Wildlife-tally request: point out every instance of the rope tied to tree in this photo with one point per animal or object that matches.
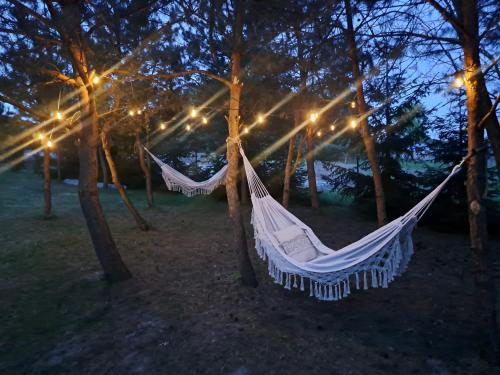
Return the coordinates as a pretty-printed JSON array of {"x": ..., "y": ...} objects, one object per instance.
[{"x": 233, "y": 140}]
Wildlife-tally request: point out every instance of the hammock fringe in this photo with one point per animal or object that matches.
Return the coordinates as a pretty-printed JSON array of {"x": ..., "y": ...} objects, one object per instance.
[{"x": 397, "y": 254}]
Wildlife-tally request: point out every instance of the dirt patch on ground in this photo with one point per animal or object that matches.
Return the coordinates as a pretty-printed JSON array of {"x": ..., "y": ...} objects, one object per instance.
[{"x": 185, "y": 311}]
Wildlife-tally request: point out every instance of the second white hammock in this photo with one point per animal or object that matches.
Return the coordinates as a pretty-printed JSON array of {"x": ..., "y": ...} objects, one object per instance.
[{"x": 176, "y": 181}]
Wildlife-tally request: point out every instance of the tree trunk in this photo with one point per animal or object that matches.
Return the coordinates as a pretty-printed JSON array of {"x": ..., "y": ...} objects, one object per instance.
[
  {"x": 311, "y": 173},
  {"x": 105, "y": 248},
  {"x": 362, "y": 118},
  {"x": 298, "y": 160},
  {"x": 104, "y": 169},
  {"x": 58, "y": 164},
  {"x": 145, "y": 169},
  {"x": 289, "y": 167},
  {"x": 243, "y": 187},
  {"x": 476, "y": 172},
  {"x": 141, "y": 223},
  {"x": 47, "y": 211},
  {"x": 233, "y": 156}
]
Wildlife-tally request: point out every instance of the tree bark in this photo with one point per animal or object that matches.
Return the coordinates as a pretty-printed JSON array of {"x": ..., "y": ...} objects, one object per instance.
[
  {"x": 141, "y": 223},
  {"x": 58, "y": 161},
  {"x": 363, "y": 120},
  {"x": 47, "y": 211},
  {"x": 243, "y": 187},
  {"x": 104, "y": 169},
  {"x": 233, "y": 156},
  {"x": 145, "y": 169},
  {"x": 289, "y": 165},
  {"x": 298, "y": 160},
  {"x": 104, "y": 245},
  {"x": 476, "y": 171},
  {"x": 311, "y": 173}
]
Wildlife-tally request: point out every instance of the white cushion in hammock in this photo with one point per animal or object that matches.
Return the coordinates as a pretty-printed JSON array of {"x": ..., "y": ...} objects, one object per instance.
[{"x": 296, "y": 244}]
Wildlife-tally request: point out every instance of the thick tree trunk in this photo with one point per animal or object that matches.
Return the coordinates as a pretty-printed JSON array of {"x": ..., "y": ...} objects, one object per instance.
[
  {"x": 233, "y": 156},
  {"x": 104, "y": 245},
  {"x": 363, "y": 120},
  {"x": 145, "y": 169},
  {"x": 58, "y": 164},
  {"x": 311, "y": 173},
  {"x": 104, "y": 169},
  {"x": 476, "y": 172},
  {"x": 47, "y": 211},
  {"x": 289, "y": 167},
  {"x": 141, "y": 223},
  {"x": 105, "y": 248}
]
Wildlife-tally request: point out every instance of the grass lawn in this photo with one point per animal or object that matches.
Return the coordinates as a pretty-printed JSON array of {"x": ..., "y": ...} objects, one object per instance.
[{"x": 185, "y": 312}]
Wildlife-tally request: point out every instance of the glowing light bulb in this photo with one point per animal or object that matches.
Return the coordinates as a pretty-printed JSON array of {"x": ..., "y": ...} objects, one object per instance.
[
  {"x": 354, "y": 124},
  {"x": 204, "y": 120},
  {"x": 139, "y": 111},
  {"x": 188, "y": 127},
  {"x": 41, "y": 136},
  {"x": 49, "y": 144},
  {"x": 313, "y": 117},
  {"x": 318, "y": 133},
  {"x": 59, "y": 115},
  {"x": 353, "y": 104},
  {"x": 246, "y": 130},
  {"x": 458, "y": 82},
  {"x": 96, "y": 80},
  {"x": 162, "y": 126},
  {"x": 194, "y": 113},
  {"x": 260, "y": 119},
  {"x": 332, "y": 127},
  {"x": 131, "y": 113}
]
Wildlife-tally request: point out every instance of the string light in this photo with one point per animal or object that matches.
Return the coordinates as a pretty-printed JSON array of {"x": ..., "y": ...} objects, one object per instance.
[
  {"x": 354, "y": 124},
  {"x": 49, "y": 144},
  {"x": 188, "y": 127},
  {"x": 131, "y": 112},
  {"x": 204, "y": 120},
  {"x": 246, "y": 130},
  {"x": 41, "y": 136},
  {"x": 332, "y": 127},
  {"x": 353, "y": 104},
  {"x": 194, "y": 113},
  {"x": 318, "y": 133},
  {"x": 59, "y": 115},
  {"x": 260, "y": 119},
  {"x": 313, "y": 117},
  {"x": 96, "y": 80},
  {"x": 458, "y": 82},
  {"x": 162, "y": 126},
  {"x": 139, "y": 111}
]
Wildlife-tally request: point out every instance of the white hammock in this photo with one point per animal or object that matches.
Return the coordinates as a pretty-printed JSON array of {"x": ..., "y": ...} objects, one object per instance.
[
  {"x": 294, "y": 253},
  {"x": 176, "y": 181}
]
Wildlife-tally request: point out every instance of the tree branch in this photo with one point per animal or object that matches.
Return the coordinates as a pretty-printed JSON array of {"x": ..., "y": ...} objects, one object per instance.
[
  {"x": 418, "y": 35},
  {"x": 23, "y": 108},
  {"x": 489, "y": 114},
  {"x": 170, "y": 76},
  {"x": 448, "y": 17},
  {"x": 60, "y": 76},
  {"x": 31, "y": 12}
]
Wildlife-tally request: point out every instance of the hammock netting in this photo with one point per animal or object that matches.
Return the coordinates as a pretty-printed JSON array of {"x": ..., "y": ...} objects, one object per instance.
[{"x": 295, "y": 255}]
